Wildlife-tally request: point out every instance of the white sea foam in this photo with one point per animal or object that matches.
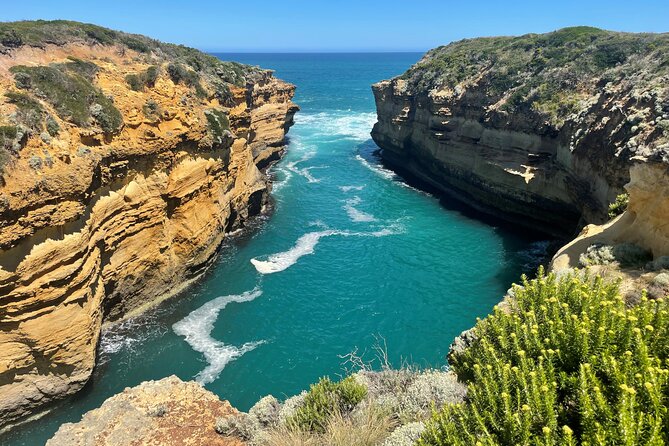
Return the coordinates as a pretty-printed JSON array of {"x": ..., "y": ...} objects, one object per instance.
[
  {"x": 278, "y": 185},
  {"x": 376, "y": 168},
  {"x": 196, "y": 329},
  {"x": 304, "y": 171},
  {"x": 341, "y": 124},
  {"x": 355, "y": 214},
  {"x": 346, "y": 189},
  {"x": 306, "y": 244},
  {"x": 283, "y": 260}
]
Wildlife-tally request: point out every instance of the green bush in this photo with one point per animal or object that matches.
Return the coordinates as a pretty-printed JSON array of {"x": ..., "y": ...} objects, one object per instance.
[
  {"x": 8, "y": 134},
  {"x": 619, "y": 206},
  {"x": 29, "y": 111},
  {"x": 324, "y": 400},
  {"x": 218, "y": 124},
  {"x": 569, "y": 363},
  {"x": 71, "y": 94},
  {"x": 180, "y": 74},
  {"x": 138, "y": 82},
  {"x": 625, "y": 254}
]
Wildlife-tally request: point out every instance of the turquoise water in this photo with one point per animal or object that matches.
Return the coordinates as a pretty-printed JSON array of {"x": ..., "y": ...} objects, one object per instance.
[{"x": 349, "y": 254}]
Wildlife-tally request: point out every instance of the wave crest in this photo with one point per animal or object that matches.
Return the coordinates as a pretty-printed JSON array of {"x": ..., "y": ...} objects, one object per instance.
[{"x": 196, "y": 328}]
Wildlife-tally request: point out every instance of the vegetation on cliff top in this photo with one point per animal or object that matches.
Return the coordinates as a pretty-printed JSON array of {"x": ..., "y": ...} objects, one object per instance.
[
  {"x": 550, "y": 73},
  {"x": 39, "y": 33},
  {"x": 569, "y": 363}
]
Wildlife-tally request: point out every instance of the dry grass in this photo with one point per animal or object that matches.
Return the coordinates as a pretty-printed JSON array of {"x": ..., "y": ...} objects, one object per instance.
[{"x": 367, "y": 426}]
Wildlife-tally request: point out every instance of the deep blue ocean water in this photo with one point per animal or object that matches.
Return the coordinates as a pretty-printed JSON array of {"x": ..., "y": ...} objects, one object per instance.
[{"x": 349, "y": 255}]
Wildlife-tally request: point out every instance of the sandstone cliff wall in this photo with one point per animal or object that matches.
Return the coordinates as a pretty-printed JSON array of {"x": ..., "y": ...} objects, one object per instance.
[
  {"x": 544, "y": 142},
  {"x": 96, "y": 225}
]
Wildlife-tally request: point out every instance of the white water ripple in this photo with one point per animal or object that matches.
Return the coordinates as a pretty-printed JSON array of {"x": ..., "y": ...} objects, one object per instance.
[
  {"x": 343, "y": 124},
  {"x": 355, "y": 214},
  {"x": 306, "y": 244},
  {"x": 196, "y": 328}
]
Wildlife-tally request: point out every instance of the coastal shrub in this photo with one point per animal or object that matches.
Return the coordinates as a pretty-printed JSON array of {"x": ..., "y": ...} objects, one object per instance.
[
  {"x": 569, "y": 362},
  {"x": 368, "y": 426},
  {"x": 8, "y": 134},
  {"x": 625, "y": 254},
  {"x": 180, "y": 74},
  {"x": 619, "y": 205},
  {"x": 406, "y": 435},
  {"x": 52, "y": 126},
  {"x": 5, "y": 159},
  {"x": 240, "y": 425},
  {"x": 148, "y": 78},
  {"x": 325, "y": 399},
  {"x": 29, "y": 110},
  {"x": 660, "y": 263},
  {"x": 72, "y": 95},
  {"x": 218, "y": 124}
]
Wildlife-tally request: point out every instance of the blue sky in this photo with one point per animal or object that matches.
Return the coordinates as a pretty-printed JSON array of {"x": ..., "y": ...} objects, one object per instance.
[{"x": 341, "y": 25}]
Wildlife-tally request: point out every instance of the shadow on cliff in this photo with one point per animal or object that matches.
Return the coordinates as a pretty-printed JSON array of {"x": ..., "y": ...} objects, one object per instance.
[{"x": 523, "y": 246}]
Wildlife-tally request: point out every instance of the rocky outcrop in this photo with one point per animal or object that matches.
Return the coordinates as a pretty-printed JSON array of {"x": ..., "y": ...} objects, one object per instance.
[
  {"x": 103, "y": 212},
  {"x": 643, "y": 224},
  {"x": 164, "y": 412},
  {"x": 539, "y": 130}
]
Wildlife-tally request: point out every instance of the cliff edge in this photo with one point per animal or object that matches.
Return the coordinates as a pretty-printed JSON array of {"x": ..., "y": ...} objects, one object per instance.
[
  {"x": 124, "y": 162},
  {"x": 540, "y": 129}
]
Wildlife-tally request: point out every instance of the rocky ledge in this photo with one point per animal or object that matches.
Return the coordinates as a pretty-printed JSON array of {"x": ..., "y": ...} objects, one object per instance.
[
  {"x": 124, "y": 162},
  {"x": 540, "y": 130},
  {"x": 164, "y": 412}
]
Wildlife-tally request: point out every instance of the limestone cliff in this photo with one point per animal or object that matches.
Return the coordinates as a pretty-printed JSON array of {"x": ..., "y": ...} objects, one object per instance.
[
  {"x": 123, "y": 164},
  {"x": 164, "y": 412},
  {"x": 537, "y": 129},
  {"x": 644, "y": 223}
]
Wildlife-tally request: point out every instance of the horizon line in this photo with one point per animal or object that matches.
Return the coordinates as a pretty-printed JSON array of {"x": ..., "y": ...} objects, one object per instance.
[{"x": 313, "y": 51}]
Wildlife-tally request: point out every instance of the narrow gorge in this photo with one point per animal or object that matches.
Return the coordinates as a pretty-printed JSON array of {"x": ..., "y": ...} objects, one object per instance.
[
  {"x": 473, "y": 252},
  {"x": 125, "y": 164}
]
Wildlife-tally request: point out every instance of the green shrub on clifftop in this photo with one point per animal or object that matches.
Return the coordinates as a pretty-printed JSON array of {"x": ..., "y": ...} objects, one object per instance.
[
  {"x": 619, "y": 206},
  {"x": 72, "y": 94},
  {"x": 326, "y": 399},
  {"x": 569, "y": 363}
]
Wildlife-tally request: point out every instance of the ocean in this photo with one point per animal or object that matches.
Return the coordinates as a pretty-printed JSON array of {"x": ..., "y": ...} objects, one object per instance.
[{"x": 349, "y": 257}]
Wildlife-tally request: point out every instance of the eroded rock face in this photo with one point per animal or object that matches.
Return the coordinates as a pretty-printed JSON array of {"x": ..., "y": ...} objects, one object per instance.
[
  {"x": 106, "y": 223},
  {"x": 507, "y": 126},
  {"x": 644, "y": 223},
  {"x": 164, "y": 412}
]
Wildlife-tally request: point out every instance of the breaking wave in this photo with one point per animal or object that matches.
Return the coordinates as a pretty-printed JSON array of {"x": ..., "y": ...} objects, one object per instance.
[
  {"x": 341, "y": 124},
  {"x": 355, "y": 214},
  {"x": 306, "y": 244},
  {"x": 196, "y": 328}
]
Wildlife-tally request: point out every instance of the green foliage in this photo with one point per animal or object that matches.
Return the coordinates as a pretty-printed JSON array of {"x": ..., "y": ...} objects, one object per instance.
[
  {"x": 569, "y": 363},
  {"x": 545, "y": 72},
  {"x": 8, "y": 134},
  {"x": 29, "y": 110},
  {"x": 619, "y": 206},
  {"x": 325, "y": 399},
  {"x": 138, "y": 82},
  {"x": 83, "y": 68},
  {"x": 71, "y": 94},
  {"x": 218, "y": 123},
  {"x": 180, "y": 74},
  {"x": 151, "y": 109},
  {"x": 625, "y": 254}
]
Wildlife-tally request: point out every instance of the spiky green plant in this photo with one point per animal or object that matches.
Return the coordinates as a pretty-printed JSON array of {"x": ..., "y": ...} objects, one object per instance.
[
  {"x": 568, "y": 363},
  {"x": 325, "y": 399}
]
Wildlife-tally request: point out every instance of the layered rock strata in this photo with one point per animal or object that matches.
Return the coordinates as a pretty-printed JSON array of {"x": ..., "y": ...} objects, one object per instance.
[
  {"x": 101, "y": 218},
  {"x": 539, "y": 130}
]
